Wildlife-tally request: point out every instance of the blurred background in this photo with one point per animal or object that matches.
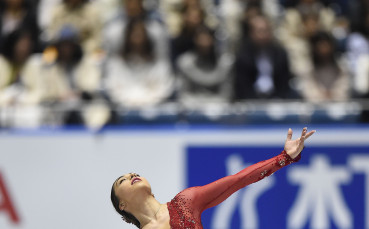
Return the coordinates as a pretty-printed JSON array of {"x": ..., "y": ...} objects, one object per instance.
[
  {"x": 90, "y": 90},
  {"x": 117, "y": 62}
]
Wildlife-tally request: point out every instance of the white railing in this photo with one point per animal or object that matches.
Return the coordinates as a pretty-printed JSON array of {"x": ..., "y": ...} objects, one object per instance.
[{"x": 240, "y": 113}]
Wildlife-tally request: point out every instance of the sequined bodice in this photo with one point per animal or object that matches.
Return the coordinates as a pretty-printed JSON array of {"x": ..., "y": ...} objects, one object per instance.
[
  {"x": 186, "y": 207},
  {"x": 183, "y": 212}
]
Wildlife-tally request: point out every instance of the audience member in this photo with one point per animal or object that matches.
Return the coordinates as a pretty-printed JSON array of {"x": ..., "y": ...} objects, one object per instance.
[
  {"x": 69, "y": 77},
  {"x": 18, "y": 46},
  {"x": 137, "y": 77},
  {"x": 17, "y": 15},
  {"x": 298, "y": 26},
  {"x": 262, "y": 68},
  {"x": 328, "y": 79},
  {"x": 236, "y": 13},
  {"x": 193, "y": 17},
  {"x": 132, "y": 10},
  {"x": 205, "y": 72},
  {"x": 18, "y": 94}
]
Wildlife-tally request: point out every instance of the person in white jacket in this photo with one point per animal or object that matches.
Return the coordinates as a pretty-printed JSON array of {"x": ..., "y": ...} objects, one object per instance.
[{"x": 137, "y": 76}]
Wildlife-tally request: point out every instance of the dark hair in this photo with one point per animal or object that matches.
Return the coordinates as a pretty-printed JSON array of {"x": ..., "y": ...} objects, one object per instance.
[
  {"x": 148, "y": 45},
  {"x": 27, "y": 23},
  {"x": 211, "y": 56},
  {"x": 323, "y": 37},
  {"x": 127, "y": 217},
  {"x": 11, "y": 40},
  {"x": 69, "y": 35}
]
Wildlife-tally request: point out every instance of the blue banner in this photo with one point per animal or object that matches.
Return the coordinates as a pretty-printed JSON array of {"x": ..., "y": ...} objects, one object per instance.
[{"x": 328, "y": 188}]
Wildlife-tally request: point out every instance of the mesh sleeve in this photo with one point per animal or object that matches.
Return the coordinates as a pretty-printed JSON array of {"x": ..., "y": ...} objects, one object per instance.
[{"x": 212, "y": 194}]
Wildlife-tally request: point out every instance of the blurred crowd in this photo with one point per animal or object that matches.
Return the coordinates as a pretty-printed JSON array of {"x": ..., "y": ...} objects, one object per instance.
[{"x": 86, "y": 58}]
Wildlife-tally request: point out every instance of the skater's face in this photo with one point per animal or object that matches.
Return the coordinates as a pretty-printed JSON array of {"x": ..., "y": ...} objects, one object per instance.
[{"x": 131, "y": 186}]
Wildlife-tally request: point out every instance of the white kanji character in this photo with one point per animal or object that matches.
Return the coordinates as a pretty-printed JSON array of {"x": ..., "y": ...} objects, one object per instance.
[
  {"x": 320, "y": 196},
  {"x": 360, "y": 163}
]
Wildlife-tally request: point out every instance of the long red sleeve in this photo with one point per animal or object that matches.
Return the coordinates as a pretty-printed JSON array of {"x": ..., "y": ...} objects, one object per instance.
[{"x": 186, "y": 208}]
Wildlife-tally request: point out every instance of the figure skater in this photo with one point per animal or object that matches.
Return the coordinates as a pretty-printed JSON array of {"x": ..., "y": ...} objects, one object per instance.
[{"x": 132, "y": 198}]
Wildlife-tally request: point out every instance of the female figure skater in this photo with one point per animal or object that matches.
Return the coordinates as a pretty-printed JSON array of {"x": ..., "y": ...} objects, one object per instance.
[{"x": 132, "y": 198}]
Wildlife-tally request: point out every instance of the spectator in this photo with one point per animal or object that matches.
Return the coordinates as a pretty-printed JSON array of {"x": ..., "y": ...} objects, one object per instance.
[
  {"x": 18, "y": 94},
  {"x": 236, "y": 12},
  {"x": 17, "y": 15},
  {"x": 262, "y": 68},
  {"x": 18, "y": 46},
  {"x": 205, "y": 73},
  {"x": 328, "y": 79},
  {"x": 137, "y": 77},
  {"x": 131, "y": 10},
  {"x": 82, "y": 15},
  {"x": 68, "y": 77},
  {"x": 193, "y": 17},
  {"x": 298, "y": 26}
]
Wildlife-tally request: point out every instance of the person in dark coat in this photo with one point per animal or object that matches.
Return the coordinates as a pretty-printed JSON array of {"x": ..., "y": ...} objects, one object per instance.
[
  {"x": 261, "y": 70},
  {"x": 17, "y": 15}
]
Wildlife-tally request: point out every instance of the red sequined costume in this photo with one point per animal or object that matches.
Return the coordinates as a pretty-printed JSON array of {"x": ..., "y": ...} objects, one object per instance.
[{"x": 186, "y": 207}]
